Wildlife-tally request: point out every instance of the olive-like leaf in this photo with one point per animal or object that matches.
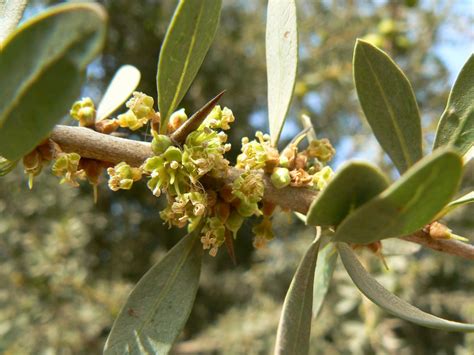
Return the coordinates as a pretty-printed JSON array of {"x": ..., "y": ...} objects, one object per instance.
[
  {"x": 456, "y": 126},
  {"x": 294, "y": 327},
  {"x": 461, "y": 201},
  {"x": 124, "y": 82},
  {"x": 159, "y": 305},
  {"x": 352, "y": 186},
  {"x": 325, "y": 266},
  {"x": 388, "y": 301},
  {"x": 185, "y": 46},
  {"x": 42, "y": 68},
  {"x": 407, "y": 205},
  {"x": 11, "y": 12},
  {"x": 389, "y": 104},
  {"x": 281, "y": 45},
  {"x": 6, "y": 166}
]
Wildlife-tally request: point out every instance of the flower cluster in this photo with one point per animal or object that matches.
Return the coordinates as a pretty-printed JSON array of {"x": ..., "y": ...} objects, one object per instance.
[
  {"x": 177, "y": 170},
  {"x": 140, "y": 111}
]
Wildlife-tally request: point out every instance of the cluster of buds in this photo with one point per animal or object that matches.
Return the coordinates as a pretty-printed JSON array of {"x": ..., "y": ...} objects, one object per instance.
[
  {"x": 176, "y": 170},
  {"x": 306, "y": 168},
  {"x": 255, "y": 153},
  {"x": 167, "y": 172}
]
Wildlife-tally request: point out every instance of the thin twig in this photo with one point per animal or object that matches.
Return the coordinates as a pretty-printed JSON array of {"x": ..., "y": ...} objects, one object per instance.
[{"x": 90, "y": 144}]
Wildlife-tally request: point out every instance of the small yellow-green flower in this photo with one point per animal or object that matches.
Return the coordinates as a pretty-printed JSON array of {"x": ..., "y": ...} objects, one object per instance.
[
  {"x": 263, "y": 233},
  {"x": 321, "y": 178},
  {"x": 67, "y": 167},
  {"x": 213, "y": 235},
  {"x": 321, "y": 150},
  {"x": 254, "y": 153},
  {"x": 122, "y": 176},
  {"x": 83, "y": 111}
]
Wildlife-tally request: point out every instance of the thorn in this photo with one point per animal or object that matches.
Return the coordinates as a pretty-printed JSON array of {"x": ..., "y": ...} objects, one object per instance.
[
  {"x": 179, "y": 136},
  {"x": 229, "y": 243}
]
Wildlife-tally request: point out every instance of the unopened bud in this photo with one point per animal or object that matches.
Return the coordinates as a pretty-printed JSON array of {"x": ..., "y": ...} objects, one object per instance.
[
  {"x": 160, "y": 143},
  {"x": 176, "y": 120},
  {"x": 281, "y": 178},
  {"x": 234, "y": 222}
]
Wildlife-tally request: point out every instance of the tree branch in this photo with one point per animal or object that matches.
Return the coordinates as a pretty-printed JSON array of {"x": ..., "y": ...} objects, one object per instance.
[{"x": 90, "y": 144}]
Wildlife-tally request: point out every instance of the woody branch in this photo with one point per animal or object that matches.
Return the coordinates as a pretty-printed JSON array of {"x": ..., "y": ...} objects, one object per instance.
[{"x": 93, "y": 145}]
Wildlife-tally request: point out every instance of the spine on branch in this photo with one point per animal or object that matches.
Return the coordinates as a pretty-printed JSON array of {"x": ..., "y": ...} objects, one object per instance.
[{"x": 93, "y": 145}]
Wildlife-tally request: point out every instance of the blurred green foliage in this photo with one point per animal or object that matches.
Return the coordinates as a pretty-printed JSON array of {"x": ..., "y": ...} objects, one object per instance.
[{"x": 67, "y": 265}]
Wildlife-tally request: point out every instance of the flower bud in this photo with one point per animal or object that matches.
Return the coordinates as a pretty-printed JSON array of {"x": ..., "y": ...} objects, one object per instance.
[
  {"x": 173, "y": 154},
  {"x": 176, "y": 120},
  {"x": 234, "y": 222},
  {"x": 84, "y": 112},
  {"x": 246, "y": 209},
  {"x": 141, "y": 104},
  {"x": 281, "y": 178},
  {"x": 321, "y": 178},
  {"x": 160, "y": 143}
]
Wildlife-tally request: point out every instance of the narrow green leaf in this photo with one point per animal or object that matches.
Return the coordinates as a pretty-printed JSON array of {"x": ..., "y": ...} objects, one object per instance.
[
  {"x": 124, "y": 82},
  {"x": 389, "y": 104},
  {"x": 463, "y": 200},
  {"x": 6, "y": 166},
  {"x": 159, "y": 305},
  {"x": 11, "y": 12},
  {"x": 186, "y": 43},
  {"x": 352, "y": 186},
  {"x": 282, "y": 59},
  {"x": 388, "y": 301},
  {"x": 456, "y": 126},
  {"x": 407, "y": 205},
  {"x": 37, "y": 90},
  {"x": 325, "y": 266},
  {"x": 294, "y": 327}
]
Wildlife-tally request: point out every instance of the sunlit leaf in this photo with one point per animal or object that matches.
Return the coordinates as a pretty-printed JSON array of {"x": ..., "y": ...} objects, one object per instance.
[
  {"x": 388, "y": 301},
  {"x": 389, "y": 104},
  {"x": 159, "y": 305},
  {"x": 6, "y": 166},
  {"x": 407, "y": 205},
  {"x": 352, "y": 186},
  {"x": 186, "y": 43},
  {"x": 456, "y": 126},
  {"x": 42, "y": 69},
  {"x": 295, "y": 321},
  {"x": 123, "y": 84},
  {"x": 282, "y": 58},
  {"x": 11, "y": 12},
  {"x": 325, "y": 266}
]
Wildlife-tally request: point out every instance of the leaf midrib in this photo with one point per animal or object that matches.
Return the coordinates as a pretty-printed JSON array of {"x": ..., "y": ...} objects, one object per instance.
[
  {"x": 403, "y": 143},
  {"x": 168, "y": 284},
  {"x": 186, "y": 63}
]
